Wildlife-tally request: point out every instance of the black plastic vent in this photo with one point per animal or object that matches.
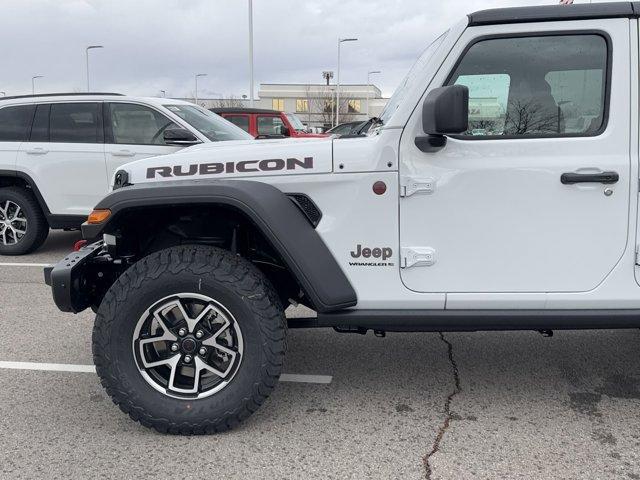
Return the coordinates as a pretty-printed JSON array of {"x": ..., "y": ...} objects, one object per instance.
[{"x": 307, "y": 206}]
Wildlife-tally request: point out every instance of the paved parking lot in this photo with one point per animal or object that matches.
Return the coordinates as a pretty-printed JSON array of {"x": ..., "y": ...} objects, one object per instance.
[{"x": 457, "y": 406}]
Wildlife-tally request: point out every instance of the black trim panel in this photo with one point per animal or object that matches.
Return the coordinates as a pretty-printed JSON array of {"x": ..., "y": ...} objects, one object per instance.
[
  {"x": 552, "y": 13},
  {"x": 277, "y": 217},
  {"x": 472, "y": 320}
]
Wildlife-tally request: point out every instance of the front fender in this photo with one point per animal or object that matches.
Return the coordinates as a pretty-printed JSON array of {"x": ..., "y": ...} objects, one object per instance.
[{"x": 275, "y": 215}]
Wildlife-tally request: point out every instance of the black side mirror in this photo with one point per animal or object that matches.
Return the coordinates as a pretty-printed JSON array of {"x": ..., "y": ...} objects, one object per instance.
[
  {"x": 284, "y": 131},
  {"x": 445, "y": 111},
  {"x": 180, "y": 137}
]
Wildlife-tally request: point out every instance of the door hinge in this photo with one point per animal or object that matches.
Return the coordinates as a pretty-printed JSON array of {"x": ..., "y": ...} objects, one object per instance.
[
  {"x": 417, "y": 257},
  {"x": 411, "y": 185}
]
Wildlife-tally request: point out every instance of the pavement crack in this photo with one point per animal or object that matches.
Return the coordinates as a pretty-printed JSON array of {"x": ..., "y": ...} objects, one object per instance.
[{"x": 447, "y": 410}]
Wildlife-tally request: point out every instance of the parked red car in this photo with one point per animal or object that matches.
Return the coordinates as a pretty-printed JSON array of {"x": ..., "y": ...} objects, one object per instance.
[{"x": 263, "y": 123}]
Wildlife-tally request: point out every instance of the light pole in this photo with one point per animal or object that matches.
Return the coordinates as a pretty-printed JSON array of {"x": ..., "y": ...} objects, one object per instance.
[
  {"x": 33, "y": 83},
  {"x": 369, "y": 73},
  {"x": 90, "y": 47},
  {"x": 198, "y": 75},
  {"x": 340, "y": 41},
  {"x": 251, "y": 98}
]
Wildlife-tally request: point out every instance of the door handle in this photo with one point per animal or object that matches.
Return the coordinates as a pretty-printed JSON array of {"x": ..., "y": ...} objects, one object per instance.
[
  {"x": 37, "y": 151},
  {"x": 604, "y": 177},
  {"x": 123, "y": 153}
]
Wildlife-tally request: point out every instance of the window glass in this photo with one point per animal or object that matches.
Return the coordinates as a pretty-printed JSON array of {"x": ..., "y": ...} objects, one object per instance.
[
  {"x": 547, "y": 85},
  {"x": 277, "y": 104},
  {"x": 241, "y": 121},
  {"x": 302, "y": 105},
  {"x": 353, "y": 106},
  {"x": 138, "y": 125},
  {"x": 15, "y": 123},
  {"x": 212, "y": 126},
  {"x": 270, "y": 125},
  {"x": 74, "y": 122},
  {"x": 295, "y": 122}
]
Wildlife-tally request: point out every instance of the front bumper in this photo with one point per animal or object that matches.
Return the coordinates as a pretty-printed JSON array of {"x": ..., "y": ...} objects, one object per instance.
[{"x": 68, "y": 279}]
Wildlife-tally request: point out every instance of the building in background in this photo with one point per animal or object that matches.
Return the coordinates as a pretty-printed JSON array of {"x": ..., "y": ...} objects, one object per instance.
[{"x": 314, "y": 104}]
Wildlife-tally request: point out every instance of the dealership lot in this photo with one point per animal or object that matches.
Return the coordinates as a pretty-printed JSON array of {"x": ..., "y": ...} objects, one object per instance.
[{"x": 527, "y": 407}]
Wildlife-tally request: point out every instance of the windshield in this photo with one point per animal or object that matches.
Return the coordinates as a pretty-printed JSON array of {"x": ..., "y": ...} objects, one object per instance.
[
  {"x": 410, "y": 79},
  {"x": 295, "y": 122},
  {"x": 212, "y": 126}
]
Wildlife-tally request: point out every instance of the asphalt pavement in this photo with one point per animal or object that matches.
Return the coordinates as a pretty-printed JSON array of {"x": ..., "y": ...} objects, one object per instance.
[{"x": 503, "y": 405}]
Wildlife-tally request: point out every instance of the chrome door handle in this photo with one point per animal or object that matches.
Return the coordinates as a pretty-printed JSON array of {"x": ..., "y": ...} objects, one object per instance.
[
  {"x": 37, "y": 151},
  {"x": 123, "y": 153}
]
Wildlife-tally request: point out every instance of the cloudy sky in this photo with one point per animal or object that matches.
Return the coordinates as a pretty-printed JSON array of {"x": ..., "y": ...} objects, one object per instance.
[{"x": 153, "y": 45}]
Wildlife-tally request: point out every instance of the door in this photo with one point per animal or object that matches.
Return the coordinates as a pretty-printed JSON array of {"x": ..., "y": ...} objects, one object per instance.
[
  {"x": 65, "y": 156},
  {"x": 534, "y": 197},
  {"x": 133, "y": 132}
]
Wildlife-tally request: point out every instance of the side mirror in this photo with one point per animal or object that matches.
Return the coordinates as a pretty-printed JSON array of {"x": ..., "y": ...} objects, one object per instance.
[
  {"x": 445, "y": 111},
  {"x": 179, "y": 137},
  {"x": 284, "y": 131}
]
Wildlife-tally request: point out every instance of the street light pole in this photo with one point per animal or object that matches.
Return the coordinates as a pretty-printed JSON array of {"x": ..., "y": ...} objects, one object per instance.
[
  {"x": 340, "y": 41},
  {"x": 90, "y": 47},
  {"x": 369, "y": 88},
  {"x": 251, "y": 98},
  {"x": 33, "y": 83},
  {"x": 198, "y": 75}
]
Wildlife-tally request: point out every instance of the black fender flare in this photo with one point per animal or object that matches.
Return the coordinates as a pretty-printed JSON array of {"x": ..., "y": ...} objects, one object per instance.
[{"x": 275, "y": 215}]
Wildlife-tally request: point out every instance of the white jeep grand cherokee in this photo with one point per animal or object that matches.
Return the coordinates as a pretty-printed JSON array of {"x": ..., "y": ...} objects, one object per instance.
[{"x": 58, "y": 152}]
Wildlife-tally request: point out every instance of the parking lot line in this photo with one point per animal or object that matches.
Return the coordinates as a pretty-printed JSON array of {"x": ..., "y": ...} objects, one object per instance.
[
  {"x": 11, "y": 264},
  {"x": 66, "y": 367}
]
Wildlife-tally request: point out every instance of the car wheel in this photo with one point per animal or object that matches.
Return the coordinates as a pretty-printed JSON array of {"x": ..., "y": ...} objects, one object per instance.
[
  {"x": 190, "y": 340},
  {"x": 23, "y": 227}
]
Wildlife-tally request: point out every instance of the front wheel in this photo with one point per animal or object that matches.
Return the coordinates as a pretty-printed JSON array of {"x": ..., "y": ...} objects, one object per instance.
[{"x": 190, "y": 340}]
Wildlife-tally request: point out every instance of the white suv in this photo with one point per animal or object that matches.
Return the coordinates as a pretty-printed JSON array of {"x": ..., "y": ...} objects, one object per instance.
[{"x": 58, "y": 154}]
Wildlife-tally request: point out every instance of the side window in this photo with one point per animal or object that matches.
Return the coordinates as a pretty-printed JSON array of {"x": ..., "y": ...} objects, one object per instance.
[
  {"x": 138, "y": 125},
  {"x": 15, "y": 123},
  {"x": 241, "y": 121},
  {"x": 75, "y": 123},
  {"x": 547, "y": 85},
  {"x": 270, "y": 125}
]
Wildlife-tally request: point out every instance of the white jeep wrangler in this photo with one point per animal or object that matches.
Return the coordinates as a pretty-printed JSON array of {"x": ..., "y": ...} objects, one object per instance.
[
  {"x": 59, "y": 151},
  {"x": 499, "y": 190}
]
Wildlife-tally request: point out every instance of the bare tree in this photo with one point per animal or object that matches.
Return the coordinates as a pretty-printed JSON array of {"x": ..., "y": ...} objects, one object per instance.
[
  {"x": 524, "y": 118},
  {"x": 231, "y": 102}
]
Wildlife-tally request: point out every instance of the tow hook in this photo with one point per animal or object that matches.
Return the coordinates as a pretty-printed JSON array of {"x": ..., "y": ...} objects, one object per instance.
[{"x": 546, "y": 333}]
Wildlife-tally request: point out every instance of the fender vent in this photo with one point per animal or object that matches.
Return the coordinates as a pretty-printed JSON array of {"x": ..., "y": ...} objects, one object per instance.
[{"x": 307, "y": 206}]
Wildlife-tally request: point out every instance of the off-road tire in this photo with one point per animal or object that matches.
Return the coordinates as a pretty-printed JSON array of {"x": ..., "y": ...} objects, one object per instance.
[
  {"x": 37, "y": 226},
  {"x": 230, "y": 280}
]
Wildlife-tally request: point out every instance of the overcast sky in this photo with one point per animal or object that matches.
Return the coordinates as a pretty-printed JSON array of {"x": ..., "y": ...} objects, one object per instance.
[{"x": 153, "y": 45}]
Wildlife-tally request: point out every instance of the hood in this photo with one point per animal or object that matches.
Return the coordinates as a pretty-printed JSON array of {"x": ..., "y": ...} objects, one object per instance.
[{"x": 236, "y": 159}]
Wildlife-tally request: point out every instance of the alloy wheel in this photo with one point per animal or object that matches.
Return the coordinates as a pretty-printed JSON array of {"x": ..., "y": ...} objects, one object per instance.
[
  {"x": 13, "y": 223},
  {"x": 187, "y": 346}
]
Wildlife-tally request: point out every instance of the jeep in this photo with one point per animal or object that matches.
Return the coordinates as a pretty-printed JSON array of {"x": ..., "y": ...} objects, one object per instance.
[
  {"x": 497, "y": 191},
  {"x": 264, "y": 123},
  {"x": 59, "y": 151}
]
